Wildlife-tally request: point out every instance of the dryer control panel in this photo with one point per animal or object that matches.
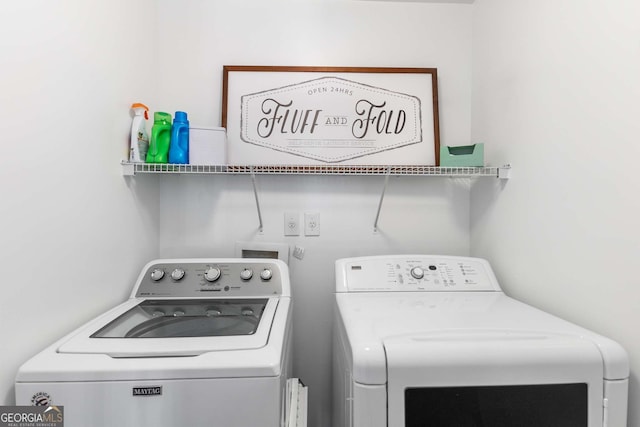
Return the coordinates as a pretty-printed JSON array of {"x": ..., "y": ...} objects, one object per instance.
[
  {"x": 414, "y": 273},
  {"x": 210, "y": 278}
]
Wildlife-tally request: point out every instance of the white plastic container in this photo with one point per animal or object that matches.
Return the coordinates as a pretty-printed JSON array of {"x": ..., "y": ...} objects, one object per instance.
[
  {"x": 139, "y": 144},
  {"x": 207, "y": 146}
]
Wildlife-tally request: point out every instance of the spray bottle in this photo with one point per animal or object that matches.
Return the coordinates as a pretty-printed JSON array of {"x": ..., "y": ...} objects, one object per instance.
[
  {"x": 139, "y": 144},
  {"x": 179, "y": 150},
  {"x": 160, "y": 138}
]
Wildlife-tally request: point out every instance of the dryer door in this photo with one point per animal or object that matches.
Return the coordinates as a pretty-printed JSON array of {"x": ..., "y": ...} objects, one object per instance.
[{"x": 494, "y": 378}]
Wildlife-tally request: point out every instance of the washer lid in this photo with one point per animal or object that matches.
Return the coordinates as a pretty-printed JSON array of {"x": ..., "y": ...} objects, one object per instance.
[
  {"x": 147, "y": 328},
  {"x": 186, "y": 318}
]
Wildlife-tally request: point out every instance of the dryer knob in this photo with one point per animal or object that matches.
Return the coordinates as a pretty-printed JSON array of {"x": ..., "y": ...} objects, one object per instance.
[
  {"x": 246, "y": 274},
  {"x": 177, "y": 274},
  {"x": 417, "y": 273},
  {"x": 266, "y": 274},
  {"x": 212, "y": 274},
  {"x": 157, "y": 274}
]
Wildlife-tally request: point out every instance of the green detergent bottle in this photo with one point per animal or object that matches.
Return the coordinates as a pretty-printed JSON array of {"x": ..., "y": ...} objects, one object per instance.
[{"x": 160, "y": 138}]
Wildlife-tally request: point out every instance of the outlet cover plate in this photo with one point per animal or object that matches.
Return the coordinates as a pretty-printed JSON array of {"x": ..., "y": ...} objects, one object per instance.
[
  {"x": 312, "y": 223},
  {"x": 291, "y": 224}
]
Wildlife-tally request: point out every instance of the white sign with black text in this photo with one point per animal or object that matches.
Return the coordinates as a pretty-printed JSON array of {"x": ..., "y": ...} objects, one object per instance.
[{"x": 301, "y": 117}]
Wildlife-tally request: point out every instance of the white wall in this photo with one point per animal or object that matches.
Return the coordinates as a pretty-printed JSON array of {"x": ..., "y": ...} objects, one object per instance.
[
  {"x": 205, "y": 216},
  {"x": 74, "y": 232},
  {"x": 549, "y": 78},
  {"x": 555, "y": 92}
]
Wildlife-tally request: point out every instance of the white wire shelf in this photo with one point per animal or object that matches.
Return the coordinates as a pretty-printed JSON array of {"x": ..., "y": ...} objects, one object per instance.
[
  {"x": 399, "y": 170},
  {"x": 502, "y": 172}
]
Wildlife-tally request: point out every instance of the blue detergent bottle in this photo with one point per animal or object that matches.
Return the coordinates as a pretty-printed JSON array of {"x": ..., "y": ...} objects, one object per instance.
[{"x": 179, "y": 148}]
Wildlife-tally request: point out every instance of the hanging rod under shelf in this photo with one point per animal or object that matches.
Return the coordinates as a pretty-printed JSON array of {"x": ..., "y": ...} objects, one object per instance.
[{"x": 502, "y": 172}]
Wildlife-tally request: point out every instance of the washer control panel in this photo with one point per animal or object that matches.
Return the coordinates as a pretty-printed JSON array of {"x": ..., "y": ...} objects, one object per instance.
[
  {"x": 414, "y": 273},
  {"x": 227, "y": 277}
]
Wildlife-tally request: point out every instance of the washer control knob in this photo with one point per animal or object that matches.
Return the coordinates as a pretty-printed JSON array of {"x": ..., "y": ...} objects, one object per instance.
[
  {"x": 177, "y": 274},
  {"x": 246, "y": 274},
  {"x": 212, "y": 274},
  {"x": 266, "y": 274},
  {"x": 417, "y": 273},
  {"x": 157, "y": 274}
]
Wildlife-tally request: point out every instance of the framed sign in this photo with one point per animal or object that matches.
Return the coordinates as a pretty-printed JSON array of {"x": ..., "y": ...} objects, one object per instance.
[{"x": 331, "y": 115}]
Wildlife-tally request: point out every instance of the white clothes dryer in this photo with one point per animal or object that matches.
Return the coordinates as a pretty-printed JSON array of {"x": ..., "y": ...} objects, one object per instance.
[
  {"x": 432, "y": 340},
  {"x": 200, "y": 342}
]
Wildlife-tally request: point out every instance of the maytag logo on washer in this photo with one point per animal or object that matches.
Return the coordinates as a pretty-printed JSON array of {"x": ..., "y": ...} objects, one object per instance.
[{"x": 147, "y": 391}]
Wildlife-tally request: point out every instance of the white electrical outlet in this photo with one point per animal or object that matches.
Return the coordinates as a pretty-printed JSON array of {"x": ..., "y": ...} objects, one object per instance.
[
  {"x": 291, "y": 224},
  {"x": 312, "y": 223}
]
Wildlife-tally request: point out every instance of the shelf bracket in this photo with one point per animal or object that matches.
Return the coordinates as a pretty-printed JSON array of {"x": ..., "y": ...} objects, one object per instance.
[
  {"x": 504, "y": 172},
  {"x": 128, "y": 169},
  {"x": 384, "y": 189},
  {"x": 255, "y": 193}
]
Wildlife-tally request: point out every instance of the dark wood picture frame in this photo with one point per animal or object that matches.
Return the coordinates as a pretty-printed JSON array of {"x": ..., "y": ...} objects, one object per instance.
[{"x": 432, "y": 72}]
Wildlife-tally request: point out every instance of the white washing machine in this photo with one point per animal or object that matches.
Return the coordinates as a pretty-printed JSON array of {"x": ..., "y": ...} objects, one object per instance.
[
  {"x": 433, "y": 340},
  {"x": 200, "y": 342}
]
